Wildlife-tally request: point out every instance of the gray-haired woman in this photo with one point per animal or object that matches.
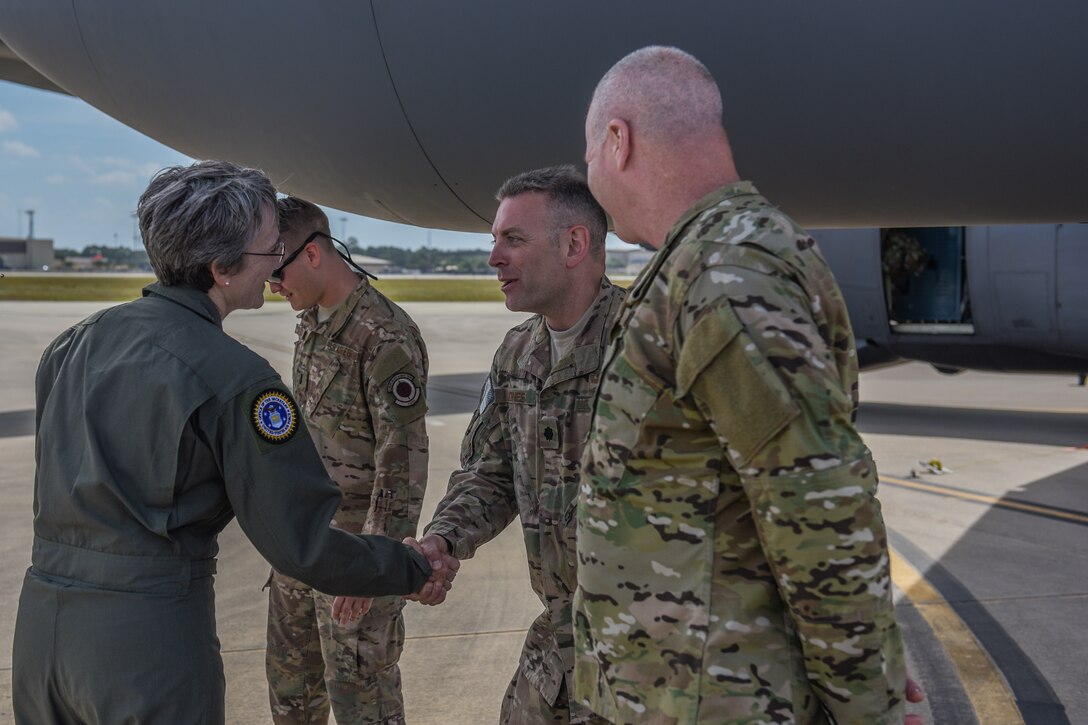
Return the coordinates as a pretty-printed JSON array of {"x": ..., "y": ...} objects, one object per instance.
[{"x": 155, "y": 429}]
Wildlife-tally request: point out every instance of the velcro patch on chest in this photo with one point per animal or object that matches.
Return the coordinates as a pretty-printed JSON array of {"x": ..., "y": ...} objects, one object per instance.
[
  {"x": 404, "y": 389},
  {"x": 275, "y": 416}
]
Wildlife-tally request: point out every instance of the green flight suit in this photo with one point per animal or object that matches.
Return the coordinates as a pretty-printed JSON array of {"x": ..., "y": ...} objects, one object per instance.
[{"x": 154, "y": 429}]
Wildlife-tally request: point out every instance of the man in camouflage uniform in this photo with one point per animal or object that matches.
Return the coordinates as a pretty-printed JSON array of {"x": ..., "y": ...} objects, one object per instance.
[
  {"x": 521, "y": 453},
  {"x": 360, "y": 371},
  {"x": 902, "y": 256},
  {"x": 732, "y": 558}
]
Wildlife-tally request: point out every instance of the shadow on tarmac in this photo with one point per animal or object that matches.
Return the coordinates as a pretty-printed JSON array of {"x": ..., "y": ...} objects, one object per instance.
[
  {"x": 1012, "y": 426},
  {"x": 446, "y": 395},
  {"x": 17, "y": 423},
  {"x": 1000, "y": 578},
  {"x": 450, "y": 394}
]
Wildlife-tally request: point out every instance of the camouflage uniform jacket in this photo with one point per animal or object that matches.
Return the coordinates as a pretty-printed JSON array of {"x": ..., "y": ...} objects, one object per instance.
[
  {"x": 360, "y": 378},
  {"x": 732, "y": 557},
  {"x": 521, "y": 455}
]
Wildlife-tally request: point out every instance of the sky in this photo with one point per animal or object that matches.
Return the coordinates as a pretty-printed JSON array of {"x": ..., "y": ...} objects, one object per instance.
[{"x": 81, "y": 172}]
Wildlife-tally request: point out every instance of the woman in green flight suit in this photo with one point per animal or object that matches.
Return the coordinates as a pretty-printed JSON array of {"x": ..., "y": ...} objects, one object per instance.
[{"x": 154, "y": 429}]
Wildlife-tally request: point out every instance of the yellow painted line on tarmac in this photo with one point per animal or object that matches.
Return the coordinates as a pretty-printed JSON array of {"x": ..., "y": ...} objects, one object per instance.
[
  {"x": 982, "y": 498},
  {"x": 989, "y": 693}
]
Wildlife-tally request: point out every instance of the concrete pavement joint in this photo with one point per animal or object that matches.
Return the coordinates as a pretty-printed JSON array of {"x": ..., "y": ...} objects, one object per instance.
[{"x": 465, "y": 634}]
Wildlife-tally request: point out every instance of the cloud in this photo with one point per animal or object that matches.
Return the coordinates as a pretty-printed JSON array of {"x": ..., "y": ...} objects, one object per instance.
[
  {"x": 138, "y": 175},
  {"x": 114, "y": 177},
  {"x": 56, "y": 179},
  {"x": 7, "y": 121},
  {"x": 80, "y": 163},
  {"x": 18, "y": 148},
  {"x": 114, "y": 170}
]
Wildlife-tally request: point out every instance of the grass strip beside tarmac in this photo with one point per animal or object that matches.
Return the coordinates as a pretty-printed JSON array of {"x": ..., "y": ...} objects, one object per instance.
[
  {"x": 122, "y": 288},
  {"x": 71, "y": 288},
  {"x": 117, "y": 288}
]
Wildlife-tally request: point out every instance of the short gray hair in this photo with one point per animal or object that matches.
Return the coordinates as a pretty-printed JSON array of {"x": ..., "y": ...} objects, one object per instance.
[
  {"x": 193, "y": 216},
  {"x": 571, "y": 201},
  {"x": 665, "y": 93}
]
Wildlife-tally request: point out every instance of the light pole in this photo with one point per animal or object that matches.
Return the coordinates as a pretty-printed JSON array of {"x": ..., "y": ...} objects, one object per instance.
[
  {"x": 30, "y": 224},
  {"x": 343, "y": 227},
  {"x": 134, "y": 231}
]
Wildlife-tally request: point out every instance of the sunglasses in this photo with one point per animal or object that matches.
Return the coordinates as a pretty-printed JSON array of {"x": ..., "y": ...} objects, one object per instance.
[
  {"x": 277, "y": 273},
  {"x": 277, "y": 251}
]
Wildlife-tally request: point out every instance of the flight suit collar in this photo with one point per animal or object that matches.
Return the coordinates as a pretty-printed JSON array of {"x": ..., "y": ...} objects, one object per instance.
[
  {"x": 584, "y": 357},
  {"x": 188, "y": 297},
  {"x": 340, "y": 316}
]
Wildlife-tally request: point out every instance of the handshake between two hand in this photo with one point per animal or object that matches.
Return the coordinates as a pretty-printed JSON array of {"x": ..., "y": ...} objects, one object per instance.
[
  {"x": 348, "y": 610},
  {"x": 443, "y": 569}
]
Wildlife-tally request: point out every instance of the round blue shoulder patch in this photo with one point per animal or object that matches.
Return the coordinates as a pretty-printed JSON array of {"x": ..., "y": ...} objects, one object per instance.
[{"x": 275, "y": 416}]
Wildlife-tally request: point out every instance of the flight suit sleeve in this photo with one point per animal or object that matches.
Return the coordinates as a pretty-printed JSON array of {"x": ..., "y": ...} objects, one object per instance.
[
  {"x": 284, "y": 500},
  {"x": 752, "y": 358},
  {"x": 394, "y": 380},
  {"x": 480, "y": 500}
]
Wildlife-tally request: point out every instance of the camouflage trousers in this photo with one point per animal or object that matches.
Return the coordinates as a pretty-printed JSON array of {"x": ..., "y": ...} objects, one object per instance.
[
  {"x": 313, "y": 663},
  {"x": 524, "y": 705}
]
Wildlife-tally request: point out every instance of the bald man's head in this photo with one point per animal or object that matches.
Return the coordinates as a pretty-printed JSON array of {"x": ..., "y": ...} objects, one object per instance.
[
  {"x": 655, "y": 143},
  {"x": 664, "y": 93}
]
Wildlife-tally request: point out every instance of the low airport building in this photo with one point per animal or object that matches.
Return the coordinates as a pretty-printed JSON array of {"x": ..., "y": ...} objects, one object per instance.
[{"x": 16, "y": 253}]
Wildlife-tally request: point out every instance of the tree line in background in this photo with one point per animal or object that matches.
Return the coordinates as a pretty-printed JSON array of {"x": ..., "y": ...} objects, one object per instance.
[
  {"x": 424, "y": 260},
  {"x": 428, "y": 260}
]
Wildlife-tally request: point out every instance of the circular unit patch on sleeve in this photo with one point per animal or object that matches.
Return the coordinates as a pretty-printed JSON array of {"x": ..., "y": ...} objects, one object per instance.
[
  {"x": 275, "y": 416},
  {"x": 404, "y": 390}
]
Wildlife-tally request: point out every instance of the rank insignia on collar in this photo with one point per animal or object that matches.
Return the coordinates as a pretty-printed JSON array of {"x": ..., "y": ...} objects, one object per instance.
[
  {"x": 275, "y": 416},
  {"x": 404, "y": 390}
]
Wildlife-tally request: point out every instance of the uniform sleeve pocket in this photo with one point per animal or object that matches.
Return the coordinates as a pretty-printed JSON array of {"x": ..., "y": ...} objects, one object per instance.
[
  {"x": 734, "y": 385},
  {"x": 706, "y": 339},
  {"x": 480, "y": 429}
]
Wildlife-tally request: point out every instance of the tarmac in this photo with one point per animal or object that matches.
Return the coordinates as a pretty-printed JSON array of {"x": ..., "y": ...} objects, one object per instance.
[{"x": 990, "y": 556}]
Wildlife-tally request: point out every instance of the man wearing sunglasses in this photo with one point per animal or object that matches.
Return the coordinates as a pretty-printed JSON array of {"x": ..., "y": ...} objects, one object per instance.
[{"x": 360, "y": 373}]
